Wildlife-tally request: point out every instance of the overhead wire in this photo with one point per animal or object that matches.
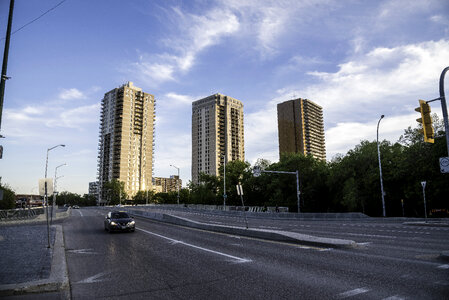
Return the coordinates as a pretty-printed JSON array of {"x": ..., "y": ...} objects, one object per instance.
[{"x": 34, "y": 20}]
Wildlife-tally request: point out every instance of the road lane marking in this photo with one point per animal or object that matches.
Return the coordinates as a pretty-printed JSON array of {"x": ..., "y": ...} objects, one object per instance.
[
  {"x": 94, "y": 278},
  {"x": 443, "y": 267},
  {"x": 395, "y": 297},
  {"x": 237, "y": 259},
  {"x": 353, "y": 293},
  {"x": 371, "y": 235},
  {"x": 83, "y": 251},
  {"x": 81, "y": 214}
]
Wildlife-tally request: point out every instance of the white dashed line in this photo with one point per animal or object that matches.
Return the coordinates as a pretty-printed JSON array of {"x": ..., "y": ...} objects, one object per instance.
[
  {"x": 352, "y": 293},
  {"x": 443, "y": 267}
]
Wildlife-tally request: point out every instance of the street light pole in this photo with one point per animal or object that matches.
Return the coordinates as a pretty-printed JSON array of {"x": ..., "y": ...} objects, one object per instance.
[
  {"x": 54, "y": 191},
  {"x": 177, "y": 182},
  {"x": 46, "y": 196},
  {"x": 146, "y": 201},
  {"x": 380, "y": 168},
  {"x": 224, "y": 182}
]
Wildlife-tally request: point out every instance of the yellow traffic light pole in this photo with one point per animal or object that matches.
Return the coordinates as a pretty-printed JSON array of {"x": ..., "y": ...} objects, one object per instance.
[
  {"x": 444, "y": 107},
  {"x": 426, "y": 119}
]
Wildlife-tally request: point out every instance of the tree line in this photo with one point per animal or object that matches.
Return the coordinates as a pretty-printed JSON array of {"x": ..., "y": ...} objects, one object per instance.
[{"x": 347, "y": 183}]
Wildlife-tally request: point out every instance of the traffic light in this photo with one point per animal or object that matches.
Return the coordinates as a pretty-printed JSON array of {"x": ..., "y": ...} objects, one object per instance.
[{"x": 425, "y": 121}]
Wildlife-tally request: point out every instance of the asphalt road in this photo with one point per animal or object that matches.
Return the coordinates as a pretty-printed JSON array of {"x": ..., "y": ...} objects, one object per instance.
[{"x": 162, "y": 261}]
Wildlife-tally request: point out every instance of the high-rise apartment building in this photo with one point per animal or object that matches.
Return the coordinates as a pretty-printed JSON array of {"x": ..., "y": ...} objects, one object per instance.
[
  {"x": 217, "y": 132},
  {"x": 300, "y": 128},
  {"x": 126, "y": 139}
]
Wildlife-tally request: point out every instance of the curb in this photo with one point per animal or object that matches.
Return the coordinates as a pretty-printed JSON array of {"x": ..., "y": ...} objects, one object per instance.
[
  {"x": 275, "y": 235},
  {"x": 428, "y": 224},
  {"x": 445, "y": 255},
  {"x": 58, "y": 279}
]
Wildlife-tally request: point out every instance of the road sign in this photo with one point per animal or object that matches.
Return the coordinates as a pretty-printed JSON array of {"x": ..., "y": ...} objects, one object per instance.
[
  {"x": 257, "y": 171},
  {"x": 42, "y": 182},
  {"x": 239, "y": 190},
  {"x": 444, "y": 164}
]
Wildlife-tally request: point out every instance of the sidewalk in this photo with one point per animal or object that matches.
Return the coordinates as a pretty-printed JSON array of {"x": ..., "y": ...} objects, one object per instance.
[{"x": 28, "y": 265}]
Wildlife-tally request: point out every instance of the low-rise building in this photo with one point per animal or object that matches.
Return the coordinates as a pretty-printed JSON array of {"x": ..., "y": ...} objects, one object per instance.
[{"x": 165, "y": 185}]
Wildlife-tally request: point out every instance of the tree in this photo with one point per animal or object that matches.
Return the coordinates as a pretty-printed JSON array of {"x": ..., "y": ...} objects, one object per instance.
[
  {"x": 141, "y": 197},
  {"x": 115, "y": 190},
  {"x": 237, "y": 171},
  {"x": 9, "y": 197}
]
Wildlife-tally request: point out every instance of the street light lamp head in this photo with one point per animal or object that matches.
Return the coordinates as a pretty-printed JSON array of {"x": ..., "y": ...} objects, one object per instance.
[{"x": 382, "y": 116}]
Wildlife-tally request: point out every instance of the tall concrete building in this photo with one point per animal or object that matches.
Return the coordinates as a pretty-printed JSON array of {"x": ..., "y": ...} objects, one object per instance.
[
  {"x": 300, "y": 128},
  {"x": 217, "y": 132},
  {"x": 126, "y": 139}
]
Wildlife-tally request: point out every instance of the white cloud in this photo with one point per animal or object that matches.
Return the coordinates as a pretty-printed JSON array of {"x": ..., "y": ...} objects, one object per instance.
[
  {"x": 179, "y": 99},
  {"x": 71, "y": 94},
  {"x": 383, "y": 81},
  {"x": 197, "y": 32},
  {"x": 384, "y": 77}
]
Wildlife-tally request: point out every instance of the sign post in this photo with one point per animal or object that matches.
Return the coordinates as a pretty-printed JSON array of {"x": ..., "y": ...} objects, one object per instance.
[
  {"x": 257, "y": 171},
  {"x": 423, "y": 183},
  {"x": 240, "y": 193}
]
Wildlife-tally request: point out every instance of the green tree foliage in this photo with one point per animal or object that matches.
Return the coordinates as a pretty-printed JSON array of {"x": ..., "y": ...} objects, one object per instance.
[
  {"x": 115, "y": 191},
  {"x": 348, "y": 183},
  {"x": 74, "y": 199},
  {"x": 141, "y": 197},
  {"x": 9, "y": 197}
]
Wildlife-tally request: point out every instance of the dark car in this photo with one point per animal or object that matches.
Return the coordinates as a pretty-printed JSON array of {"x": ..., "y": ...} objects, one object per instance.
[{"x": 119, "y": 221}]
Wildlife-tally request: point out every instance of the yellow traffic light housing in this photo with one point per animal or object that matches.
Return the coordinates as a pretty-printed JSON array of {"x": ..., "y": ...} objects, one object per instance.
[{"x": 425, "y": 121}]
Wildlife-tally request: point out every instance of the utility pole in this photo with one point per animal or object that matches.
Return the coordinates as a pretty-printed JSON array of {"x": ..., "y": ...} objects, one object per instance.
[
  {"x": 380, "y": 170},
  {"x": 5, "y": 60}
]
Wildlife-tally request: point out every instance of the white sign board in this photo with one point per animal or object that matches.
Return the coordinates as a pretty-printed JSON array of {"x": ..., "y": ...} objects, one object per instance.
[
  {"x": 239, "y": 190},
  {"x": 444, "y": 164},
  {"x": 42, "y": 182}
]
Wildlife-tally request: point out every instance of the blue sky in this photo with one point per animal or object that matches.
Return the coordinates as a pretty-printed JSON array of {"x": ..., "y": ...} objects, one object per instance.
[{"x": 357, "y": 59}]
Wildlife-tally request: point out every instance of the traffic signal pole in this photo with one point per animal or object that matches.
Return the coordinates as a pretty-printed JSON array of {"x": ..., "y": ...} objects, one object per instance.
[{"x": 444, "y": 107}]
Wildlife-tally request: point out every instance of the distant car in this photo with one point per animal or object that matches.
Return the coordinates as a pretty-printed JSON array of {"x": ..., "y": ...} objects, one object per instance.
[
  {"x": 119, "y": 221},
  {"x": 76, "y": 207}
]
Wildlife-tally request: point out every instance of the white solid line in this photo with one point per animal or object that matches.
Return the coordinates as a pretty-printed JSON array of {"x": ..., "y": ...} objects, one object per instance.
[
  {"x": 80, "y": 213},
  {"x": 238, "y": 259},
  {"x": 443, "y": 267},
  {"x": 353, "y": 292}
]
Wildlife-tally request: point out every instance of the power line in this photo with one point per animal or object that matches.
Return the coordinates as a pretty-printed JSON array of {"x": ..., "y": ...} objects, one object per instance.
[{"x": 34, "y": 20}]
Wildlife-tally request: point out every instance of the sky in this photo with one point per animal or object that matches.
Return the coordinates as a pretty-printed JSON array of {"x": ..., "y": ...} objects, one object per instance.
[{"x": 356, "y": 59}]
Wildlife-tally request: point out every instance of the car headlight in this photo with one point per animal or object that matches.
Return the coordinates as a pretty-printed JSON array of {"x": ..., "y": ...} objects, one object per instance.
[
  {"x": 113, "y": 223},
  {"x": 131, "y": 223}
]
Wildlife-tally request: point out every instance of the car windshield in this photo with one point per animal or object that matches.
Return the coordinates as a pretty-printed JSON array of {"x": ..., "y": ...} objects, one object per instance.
[{"x": 120, "y": 215}]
